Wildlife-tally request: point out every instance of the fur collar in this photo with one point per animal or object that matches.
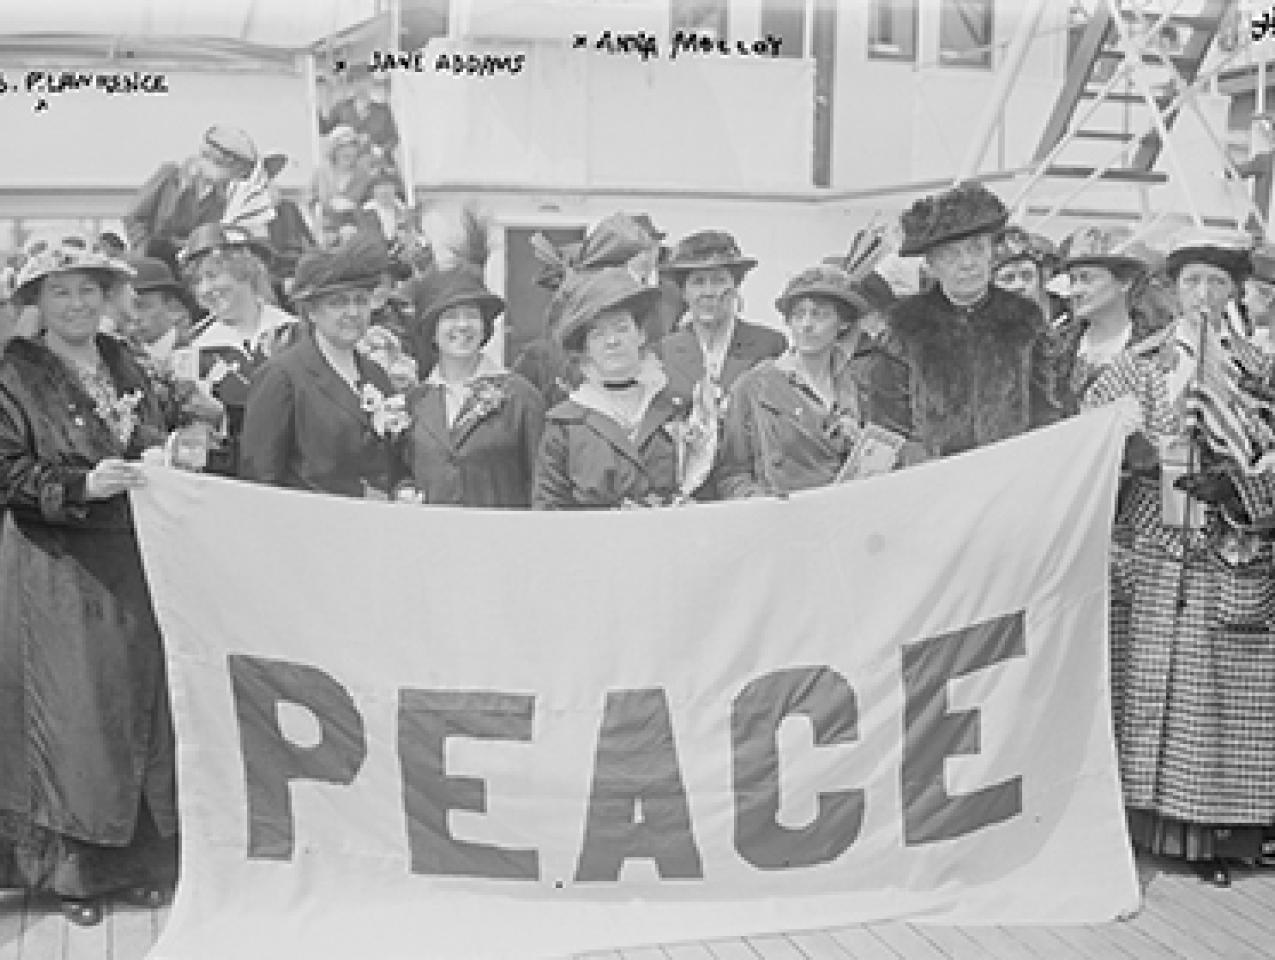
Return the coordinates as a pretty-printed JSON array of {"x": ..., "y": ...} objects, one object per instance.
[{"x": 932, "y": 316}]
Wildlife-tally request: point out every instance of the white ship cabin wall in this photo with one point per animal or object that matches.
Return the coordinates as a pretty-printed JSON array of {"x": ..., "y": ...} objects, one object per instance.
[{"x": 718, "y": 140}]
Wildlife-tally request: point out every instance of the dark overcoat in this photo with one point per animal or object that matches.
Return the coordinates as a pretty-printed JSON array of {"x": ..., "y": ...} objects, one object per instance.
[
  {"x": 85, "y": 732},
  {"x": 305, "y": 428},
  {"x": 476, "y": 462},
  {"x": 683, "y": 359}
]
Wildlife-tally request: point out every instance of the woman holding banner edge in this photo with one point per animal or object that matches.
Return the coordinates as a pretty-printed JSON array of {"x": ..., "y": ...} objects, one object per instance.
[
  {"x": 87, "y": 767},
  {"x": 1195, "y": 732}
]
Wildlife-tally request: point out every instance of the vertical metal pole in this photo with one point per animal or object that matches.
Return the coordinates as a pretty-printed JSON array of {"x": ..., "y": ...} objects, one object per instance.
[{"x": 1006, "y": 76}]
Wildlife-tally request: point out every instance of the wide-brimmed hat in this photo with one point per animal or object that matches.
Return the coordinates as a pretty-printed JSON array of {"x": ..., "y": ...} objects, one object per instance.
[
  {"x": 1111, "y": 247},
  {"x": 707, "y": 250},
  {"x": 63, "y": 255},
  {"x": 1263, "y": 261},
  {"x": 962, "y": 211},
  {"x": 439, "y": 289},
  {"x": 359, "y": 263},
  {"x": 1228, "y": 250},
  {"x": 151, "y": 273},
  {"x": 229, "y": 147},
  {"x": 209, "y": 237},
  {"x": 584, "y": 295},
  {"x": 826, "y": 281},
  {"x": 1014, "y": 243}
]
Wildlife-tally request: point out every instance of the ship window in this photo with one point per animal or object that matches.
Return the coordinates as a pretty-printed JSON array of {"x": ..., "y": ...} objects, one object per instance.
[
  {"x": 892, "y": 30},
  {"x": 965, "y": 33}
]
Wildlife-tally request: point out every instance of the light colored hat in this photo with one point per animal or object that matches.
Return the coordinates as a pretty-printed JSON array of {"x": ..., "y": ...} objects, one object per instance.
[
  {"x": 339, "y": 137},
  {"x": 230, "y": 147},
  {"x": 63, "y": 255},
  {"x": 1111, "y": 247},
  {"x": 1228, "y": 250}
]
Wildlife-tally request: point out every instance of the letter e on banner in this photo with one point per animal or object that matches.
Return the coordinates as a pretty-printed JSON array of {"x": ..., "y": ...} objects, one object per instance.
[
  {"x": 826, "y": 698},
  {"x": 271, "y": 761},
  {"x": 637, "y": 763},
  {"x": 932, "y": 733},
  {"x": 426, "y": 718}
]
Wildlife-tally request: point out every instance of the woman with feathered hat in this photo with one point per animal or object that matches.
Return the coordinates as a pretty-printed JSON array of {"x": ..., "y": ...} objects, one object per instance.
[
  {"x": 476, "y": 426},
  {"x": 796, "y": 421},
  {"x": 1196, "y": 738},
  {"x": 976, "y": 365},
  {"x": 621, "y": 438},
  {"x": 87, "y": 801},
  {"x": 306, "y": 426},
  {"x": 1023, "y": 263}
]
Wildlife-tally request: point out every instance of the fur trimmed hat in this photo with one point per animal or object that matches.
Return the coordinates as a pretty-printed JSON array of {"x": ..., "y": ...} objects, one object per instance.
[
  {"x": 1228, "y": 250},
  {"x": 962, "y": 211},
  {"x": 826, "y": 281}
]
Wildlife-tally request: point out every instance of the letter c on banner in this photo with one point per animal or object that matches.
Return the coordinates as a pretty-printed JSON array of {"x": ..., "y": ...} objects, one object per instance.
[
  {"x": 932, "y": 733},
  {"x": 827, "y": 699},
  {"x": 271, "y": 761}
]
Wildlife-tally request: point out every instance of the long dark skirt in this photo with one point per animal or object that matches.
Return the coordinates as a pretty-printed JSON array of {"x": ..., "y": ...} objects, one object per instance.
[{"x": 87, "y": 759}]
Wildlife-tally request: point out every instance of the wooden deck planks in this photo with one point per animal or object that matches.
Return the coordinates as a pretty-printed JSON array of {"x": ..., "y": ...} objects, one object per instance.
[
  {"x": 777, "y": 947},
  {"x": 862, "y": 943},
  {"x": 818, "y": 946}
]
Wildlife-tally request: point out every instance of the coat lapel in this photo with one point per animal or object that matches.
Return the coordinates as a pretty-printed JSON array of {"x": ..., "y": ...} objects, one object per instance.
[
  {"x": 610, "y": 431},
  {"x": 787, "y": 402},
  {"x": 431, "y": 414},
  {"x": 741, "y": 354},
  {"x": 329, "y": 383},
  {"x": 658, "y": 413}
]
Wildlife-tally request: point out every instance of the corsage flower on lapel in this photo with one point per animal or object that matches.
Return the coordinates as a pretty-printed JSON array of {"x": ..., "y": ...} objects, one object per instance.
[
  {"x": 695, "y": 438},
  {"x": 486, "y": 397},
  {"x": 120, "y": 414},
  {"x": 387, "y": 415}
]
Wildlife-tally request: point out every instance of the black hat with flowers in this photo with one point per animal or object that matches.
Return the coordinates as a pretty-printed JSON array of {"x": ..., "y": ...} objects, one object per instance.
[
  {"x": 962, "y": 211},
  {"x": 359, "y": 263},
  {"x": 584, "y": 296},
  {"x": 829, "y": 282},
  {"x": 439, "y": 289},
  {"x": 707, "y": 250}
]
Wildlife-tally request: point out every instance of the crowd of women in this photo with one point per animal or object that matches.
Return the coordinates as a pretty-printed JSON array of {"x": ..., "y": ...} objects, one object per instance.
[{"x": 648, "y": 390}]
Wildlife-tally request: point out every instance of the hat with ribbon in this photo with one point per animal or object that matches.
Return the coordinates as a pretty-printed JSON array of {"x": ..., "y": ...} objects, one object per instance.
[
  {"x": 64, "y": 255},
  {"x": 707, "y": 250},
  {"x": 1229, "y": 250},
  {"x": 437, "y": 290},
  {"x": 585, "y": 295},
  {"x": 1014, "y": 243},
  {"x": 1110, "y": 247},
  {"x": 829, "y": 282},
  {"x": 614, "y": 242},
  {"x": 962, "y": 211},
  {"x": 209, "y": 237},
  {"x": 360, "y": 262},
  {"x": 230, "y": 147}
]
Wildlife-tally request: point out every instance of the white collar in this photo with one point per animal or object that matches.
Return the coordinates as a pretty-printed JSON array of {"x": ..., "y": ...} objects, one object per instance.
[
  {"x": 487, "y": 367},
  {"x": 593, "y": 396}
]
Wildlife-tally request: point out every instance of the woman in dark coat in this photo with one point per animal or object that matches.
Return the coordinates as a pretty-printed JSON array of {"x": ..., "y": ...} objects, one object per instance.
[
  {"x": 306, "y": 425},
  {"x": 615, "y": 441},
  {"x": 475, "y": 426},
  {"x": 794, "y": 421},
  {"x": 87, "y": 771}
]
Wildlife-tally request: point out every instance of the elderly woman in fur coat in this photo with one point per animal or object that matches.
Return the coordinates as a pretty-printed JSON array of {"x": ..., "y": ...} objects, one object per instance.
[{"x": 976, "y": 359}]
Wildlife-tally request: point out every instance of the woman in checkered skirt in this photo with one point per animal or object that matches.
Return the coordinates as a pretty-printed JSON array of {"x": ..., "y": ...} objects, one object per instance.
[{"x": 1196, "y": 724}]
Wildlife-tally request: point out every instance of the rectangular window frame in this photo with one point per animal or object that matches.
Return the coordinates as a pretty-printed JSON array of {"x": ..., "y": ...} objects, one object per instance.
[
  {"x": 884, "y": 50},
  {"x": 980, "y": 57}
]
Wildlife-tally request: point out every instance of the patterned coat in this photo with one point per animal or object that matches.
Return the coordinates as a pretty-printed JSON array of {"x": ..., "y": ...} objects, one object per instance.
[
  {"x": 1193, "y": 668},
  {"x": 972, "y": 376},
  {"x": 83, "y": 702},
  {"x": 483, "y": 461}
]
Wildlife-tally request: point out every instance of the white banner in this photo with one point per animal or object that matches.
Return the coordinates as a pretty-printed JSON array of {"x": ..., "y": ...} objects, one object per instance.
[{"x": 411, "y": 732}]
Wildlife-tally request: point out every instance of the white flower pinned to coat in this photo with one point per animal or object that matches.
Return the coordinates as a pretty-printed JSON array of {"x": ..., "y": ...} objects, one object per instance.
[
  {"x": 389, "y": 415},
  {"x": 121, "y": 415}
]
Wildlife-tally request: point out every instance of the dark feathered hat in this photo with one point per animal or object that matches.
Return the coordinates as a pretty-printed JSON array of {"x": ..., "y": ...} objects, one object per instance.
[
  {"x": 614, "y": 242},
  {"x": 962, "y": 211},
  {"x": 1014, "y": 243},
  {"x": 583, "y": 296},
  {"x": 359, "y": 262}
]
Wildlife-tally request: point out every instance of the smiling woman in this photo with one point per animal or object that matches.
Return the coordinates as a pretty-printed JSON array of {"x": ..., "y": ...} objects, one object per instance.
[{"x": 87, "y": 805}]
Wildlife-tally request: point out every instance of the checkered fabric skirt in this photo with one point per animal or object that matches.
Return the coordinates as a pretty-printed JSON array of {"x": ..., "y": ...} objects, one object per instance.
[{"x": 1194, "y": 683}]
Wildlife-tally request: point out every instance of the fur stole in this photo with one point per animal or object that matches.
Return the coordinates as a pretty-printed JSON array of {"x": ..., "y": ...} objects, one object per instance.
[{"x": 972, "y": 372}]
